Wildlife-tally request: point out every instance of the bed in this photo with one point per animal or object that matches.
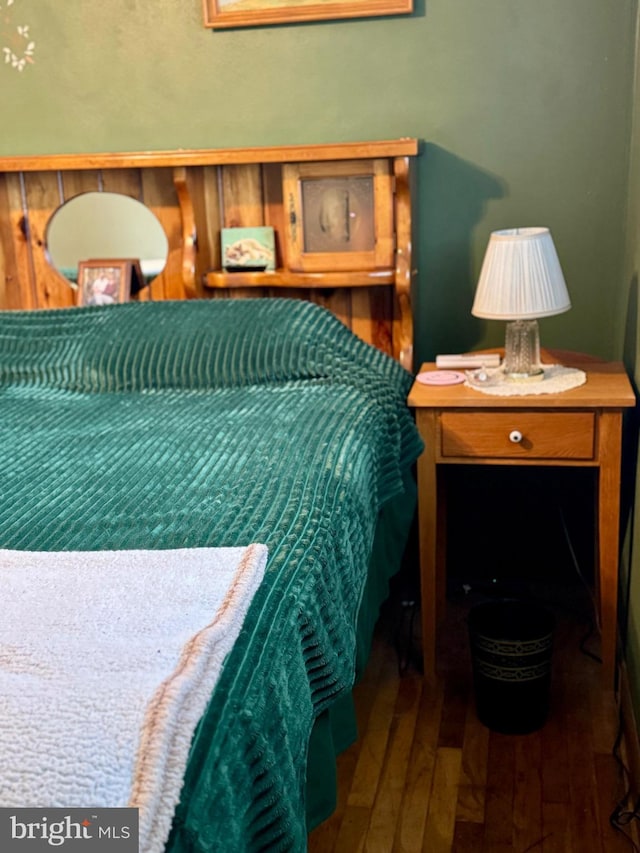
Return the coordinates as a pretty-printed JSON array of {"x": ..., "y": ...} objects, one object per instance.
[
  {"x": 189, "y": 420},
  {"x": 218, "y": 423}
]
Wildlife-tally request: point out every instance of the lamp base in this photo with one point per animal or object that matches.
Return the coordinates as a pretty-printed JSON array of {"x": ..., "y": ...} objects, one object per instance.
[
  {"x": 537, "y": 376},
  {"x": 522, "y": 352}
]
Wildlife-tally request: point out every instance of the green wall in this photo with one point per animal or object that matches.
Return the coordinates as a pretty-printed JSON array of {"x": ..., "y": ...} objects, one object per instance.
[{"x": 523, "y": 109}]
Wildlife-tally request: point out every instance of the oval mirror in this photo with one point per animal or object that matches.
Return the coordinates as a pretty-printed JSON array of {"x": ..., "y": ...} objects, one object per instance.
[{"x": 105, "y": 225}]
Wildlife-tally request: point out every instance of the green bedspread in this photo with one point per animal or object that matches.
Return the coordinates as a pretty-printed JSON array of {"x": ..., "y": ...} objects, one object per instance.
[{"x": 217, "y": 423}]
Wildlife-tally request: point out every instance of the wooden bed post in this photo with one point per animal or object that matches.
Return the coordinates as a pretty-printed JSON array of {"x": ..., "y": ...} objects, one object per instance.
[{"x": 403, "y": 326}]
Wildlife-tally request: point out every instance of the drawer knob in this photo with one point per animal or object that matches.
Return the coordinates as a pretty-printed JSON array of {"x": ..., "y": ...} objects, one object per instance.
[{"x": 515, "y": 436}]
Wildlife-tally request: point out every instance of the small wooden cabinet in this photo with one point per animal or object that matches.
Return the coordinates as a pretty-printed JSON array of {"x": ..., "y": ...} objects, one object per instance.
[{"x": 340, "y": 215}]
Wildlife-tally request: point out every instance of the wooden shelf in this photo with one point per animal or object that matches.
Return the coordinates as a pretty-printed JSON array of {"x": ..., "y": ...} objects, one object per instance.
[
  {"x": 287, "y": 278},
  {"x": 405, "y": 147}
]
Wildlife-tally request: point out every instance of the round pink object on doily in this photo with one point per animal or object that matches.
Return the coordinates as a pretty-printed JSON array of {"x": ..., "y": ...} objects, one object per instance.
[{"x": 441, "y": 377}]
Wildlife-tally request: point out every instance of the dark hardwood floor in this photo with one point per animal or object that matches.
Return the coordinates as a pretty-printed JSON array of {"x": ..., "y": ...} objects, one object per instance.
[{"x": 425, "y": 774}]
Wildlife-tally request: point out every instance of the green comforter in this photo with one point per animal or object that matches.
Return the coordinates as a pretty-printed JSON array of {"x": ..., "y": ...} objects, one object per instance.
[{"x": 213, "y": 423}]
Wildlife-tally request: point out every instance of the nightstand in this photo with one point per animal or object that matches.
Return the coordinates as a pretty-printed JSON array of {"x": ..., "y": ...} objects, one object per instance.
[{"x": 581, "y": 427}]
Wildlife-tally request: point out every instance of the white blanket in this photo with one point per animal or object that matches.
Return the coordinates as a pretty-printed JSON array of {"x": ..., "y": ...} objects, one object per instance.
[{"x": 107, "y": 662}]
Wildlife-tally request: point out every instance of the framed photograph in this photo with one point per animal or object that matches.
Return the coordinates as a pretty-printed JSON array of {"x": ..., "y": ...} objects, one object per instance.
[
  {"x": 107, "y": 281},
  {"x": 248, "y": 249},
  {"x": 339, "y": 215},
  {"x": 219, "y": 14}
]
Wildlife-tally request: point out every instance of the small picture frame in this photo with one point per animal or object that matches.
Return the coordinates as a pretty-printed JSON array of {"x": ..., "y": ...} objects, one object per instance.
[
  {"x": 248, "y": 249},
  {"x": 108, "y": 281}
]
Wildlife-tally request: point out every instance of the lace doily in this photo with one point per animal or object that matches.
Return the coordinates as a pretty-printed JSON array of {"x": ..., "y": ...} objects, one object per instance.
[{"x": 556, "y": 379}]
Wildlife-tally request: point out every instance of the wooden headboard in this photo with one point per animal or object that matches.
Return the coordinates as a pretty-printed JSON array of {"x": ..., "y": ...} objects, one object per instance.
[{"x": 194, "y": 194}]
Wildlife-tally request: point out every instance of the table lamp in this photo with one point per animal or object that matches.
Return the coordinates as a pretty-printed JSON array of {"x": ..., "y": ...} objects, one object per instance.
[{"x": 520, "y": 281}]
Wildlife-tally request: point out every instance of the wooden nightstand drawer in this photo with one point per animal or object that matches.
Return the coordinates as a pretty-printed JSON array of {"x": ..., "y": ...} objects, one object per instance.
[{"x": 518, "y": 434}]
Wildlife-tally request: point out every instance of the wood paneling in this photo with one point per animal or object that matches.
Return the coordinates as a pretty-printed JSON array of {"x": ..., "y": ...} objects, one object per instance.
[
  {"x": 15, "y": 282},
  {"x": 243, "y": 207},
  {"x": 41, "y": 198},
  {"x": 124, "y": 181},
  {"x": 75, "y": 182}
]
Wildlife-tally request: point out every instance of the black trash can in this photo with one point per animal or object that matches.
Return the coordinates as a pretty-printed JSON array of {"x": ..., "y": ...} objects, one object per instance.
[{"x": 511, "y": 649}]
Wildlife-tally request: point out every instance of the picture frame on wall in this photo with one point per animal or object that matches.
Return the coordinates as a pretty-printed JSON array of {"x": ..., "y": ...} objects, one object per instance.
[
  {"x": 108, "y": 281},
  {"x": 219, "y": 14}
]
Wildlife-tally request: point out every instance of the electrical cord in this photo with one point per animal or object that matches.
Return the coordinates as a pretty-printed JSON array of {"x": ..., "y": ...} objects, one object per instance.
[
  {"x": 403, "y": 636},
  {"x": 594, "y": 605},
  {"x": 622, "y": 816},
  {"x": 404, "y": 641}
]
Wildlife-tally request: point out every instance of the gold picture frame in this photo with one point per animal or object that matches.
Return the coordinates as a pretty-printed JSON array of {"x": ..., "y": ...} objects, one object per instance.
[
  {"x": 339, "y": 216},
  {"x": 108, "y": 281},
  {"x": 221, "y": 14}
]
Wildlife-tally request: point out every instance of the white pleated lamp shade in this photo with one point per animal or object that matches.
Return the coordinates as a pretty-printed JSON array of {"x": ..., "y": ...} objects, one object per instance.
[{"x": 521, "y": 277}]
